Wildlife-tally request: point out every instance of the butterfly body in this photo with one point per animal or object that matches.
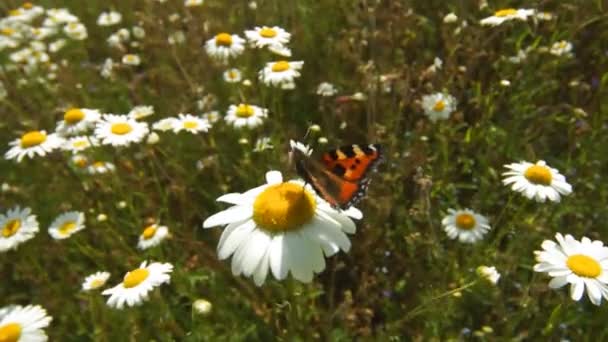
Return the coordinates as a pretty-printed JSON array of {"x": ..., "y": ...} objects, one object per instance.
[{"x": 341, "y": 177}]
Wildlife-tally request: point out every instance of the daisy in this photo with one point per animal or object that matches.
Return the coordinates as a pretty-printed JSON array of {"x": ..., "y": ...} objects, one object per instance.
[
  {"x": 77, "y": 120},
  {"x": 120, "y": 130},
  {"x": 326, "y": 89},
  {"x": 79, "y": 160},
  {"x": 24, "y": 323},
  {"x": 202, "y": 306},
  {"x": 267, "y": 36},
  {"x": 503, "y": 15},
  {"x": 79, "y": 143},
  {"x": 245, "y": 115},
  {"x": 109, "y": 18},
  {"x": 438, "y": 106},
  {"x": 131, "y": 59},
  {"x": 280, "y": 50},
  {"x": 224, "y": 46},
  {"x": 537, "y": 181},
  {"x": 100, "y": 167},
  {"x": 76, "y": 31},
  {"x": 191, "y": 124},
  {"x": 488, "y": 273},
  {"x": 33, "y": 143},
  {"x": 67, "y": 224},
  {"x": 16, "y": 226},
  {"x": 166, "y": 124},
  {"x": 193, "y": 3},
  {"x": 263, "y": 144},
  {"x": 466, "y": 225},
  {"x": 561, "y": 48},
  {"x": 282, "y": 227},
  {"x": 212, "y": 116},
  {"x": 280, "y": 73},
  {"x": 582, "y": 264},
  {"x": 138, "y": 283},
  {"x": 95, "y": 281},
  {"x": 152, "y": 236},
  {"x": 232, "y": 75},
  {"x": 140, "y": 112}
]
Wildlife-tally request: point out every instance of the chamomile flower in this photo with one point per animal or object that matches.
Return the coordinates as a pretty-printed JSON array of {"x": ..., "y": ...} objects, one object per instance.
[
  {"x": 16, "y": 226},
  {"x": 191, "y": 124},
  {"x": 279, "y": 49},
  {"x": 326, "y": 89},
  {"x": 582, "y": 264},
  {"x": 140, "y": 112},
  {"x": 67, "y": 224},
  {"x": 263, "y": 144},
  {"x": 152, "y": 235},
  {"x": 33, "y": 143},
  {"x": 109, "y": 18},
  {"x": 503, "y": 15},
  {"x": 138, "y": 283},
  {"x": 282, "y": 227},
  {"x": 280, "y": 73},
  {"x": 193, "y": 3},
  {"x": 245, "y": 115},
  {"x": 466, "y": 225},
  {"x": 438, "y": 106},
  {"x": 76, "y": 31},
  {"x": 166, "y": 124},
  {"x": 95, "y": 281},
  {"x": 24, "y": 323},
  {"x": 536, "y": 181},
  {"x": 224, "y": 46},
  {"x": 267, "y": 36},
  {"x": 100, "y": 167},
  {"x": 561, "y": 48},
  {"x": 131, "y": 59},
  {"x": 77, "y": 120},
  {"x": 233, "y": 75},
  {"x": 120, "y": 130},
  {"x": 212, "y": 116},
  {"x": 79, "y": 143},
  {"x": 79, "y": 160},
  {"x": 488, "y": 273}
]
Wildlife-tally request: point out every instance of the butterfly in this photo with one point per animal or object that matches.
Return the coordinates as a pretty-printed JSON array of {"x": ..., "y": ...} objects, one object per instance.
[{"x": 341, "y": 177}]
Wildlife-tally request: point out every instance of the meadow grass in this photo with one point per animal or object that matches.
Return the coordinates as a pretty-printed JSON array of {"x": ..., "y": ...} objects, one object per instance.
[{"x": 403, "y": 278}]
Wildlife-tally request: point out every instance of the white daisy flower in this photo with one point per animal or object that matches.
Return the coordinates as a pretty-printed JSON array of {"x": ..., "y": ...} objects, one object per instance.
[
  {"x": 79, "y": 160},
  {"x": 503, "y": 15},
  {"x": 109, "y": 18},
  {"x": 193, "y": 3},
  {"x": 202, "y": 306},
  {"x": 76, "y": 31},
  {"x": 33, "y": 143},
  {"x": 280, "y": 73},
  {"x": 582, "y": 264},
  {"x": 152, "y": 236},
  {"x": 95, "y": 281},
  {"x": 191, "y": 124},
  {"x": 466, "y": 225},
  {"x": 280, "y": 50},
  {"x": 120, "y": 130},
  {"x": 263, "y": 144},
  {"x": 58, "y": 16},
  {"x": 100, "y": 167},
  {"x": 232, "y": 75},
  {"x": 561, "y": 48},
  {"x": 537, "y": 181},
  {"x": 140, "y": 112},
  {"x": 131, "y": 59},
  {"x": 67, "y": 224},
  {"x": 224, "y": 46},
  {"x": 77, "y": 120},
  {"x": 438, "y": 106},
  {"x": 79, "y": 143},
  {"x": 326, "y": 89},
  {"x": 282, "y": 227},
  {"x": 137, "y": 284},
  {"x": 267, "y": 36},
  {"x": 245, "y": 115},
  {"x": 24, "y": 323},
  {"x": 166, "y": 124},
  {"x": 212, "y": 116},
  {"x": 16, "y": 226},
  {"x": 488, "y": 273}
]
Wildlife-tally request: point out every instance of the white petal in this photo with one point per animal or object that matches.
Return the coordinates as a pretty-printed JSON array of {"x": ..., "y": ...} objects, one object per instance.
[
  {"x": 255, "y": 249},
  {"x": 558, "y": 282},
  {"x": 259, "y": 275},
  {"x": 278, "y": 260},
  {"x": 232, "y": 214},
  {"x": 233, "y": 198},
  {"x": 298, "y": 247},
  {"x": 236, "y": 238},
  {"x": 593, "y": 291},
  {"x": 576, "y": 289}
]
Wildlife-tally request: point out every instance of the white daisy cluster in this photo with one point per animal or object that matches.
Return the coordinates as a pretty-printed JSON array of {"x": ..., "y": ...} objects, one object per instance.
[{"x": 183, "y": 123}]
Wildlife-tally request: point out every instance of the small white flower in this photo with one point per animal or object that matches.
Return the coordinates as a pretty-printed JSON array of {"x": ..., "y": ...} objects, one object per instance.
[
  {"x": 489, "y": 273},
  {"x": 202, "y": 306},
  {"x": 503, "y": 15},
  {"x": 267, "y": 36},
  {"x": 138, "y": 32},
  {"x": 67, "y": 224},
  {"x": 224, "y": 46},
  {"x": 140, "y": 112},
  {"x": 561, "y": 48},
  {"x": 536, "y": 181},
  {"x": 16, "y": 226},
  {"x": 326, "y": 89},
  {"x": 212, "y": 116},
  {"x": 245, "y": 115},
  {"x": 450, "y": 18},
  {"x": 232, "y": 75},
  {"x": 193, "y": 3},
  {"x": 466, "y": 225},
  {"x": 79, "y": 143},
  {"x": 120, "y": 130},
  {"x": 263, "y": 144},
  {"x": 191, "y": 124},
  {"x": 131, "y": 59},
  {"x": 107, "y": 68},
  {"x": 280, "y": 73},
  {"x": 24, "y": 323},
  {"x": 166, "y": 124},
  {"x": 100, "y": 167},
  {"x": 33, "y": 143},
  {"x": 438, "y": 106},
  {"x": 76, "y": 31},
  {"x": 109, "y": 18},
  {"x": 152, "y": 236},
  {"x": 95, "y": 281}
]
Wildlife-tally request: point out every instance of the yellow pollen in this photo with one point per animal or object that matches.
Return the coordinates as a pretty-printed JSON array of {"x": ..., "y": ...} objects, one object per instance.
[
  {"x": 99, "y": 164},
  {"x": 27, "y": 5},
  {"x": 231, "y": 74},
  {"x": 244, "y": 111},
  {"x": 283, "y": 207},
  {"x": 584, "y": 266},
  {"x": 80, "y": 143},
  {"x": 7, "y": 31},
  {"x": 465, "y": 221},
  {"x": 280, "y": 66},
  {"x": 135, "y": 277},
  {"x": 268, "y": 32},
  {"x": 121, "y": 128},
  {"x": 67, "y": 227},
  {"x": 33, "y": 138},
  {"x": 11, "y": 227},
  {"x": 538, "y": 174},
  {"x": 190, "y": 124},
  {"x": 10, "y": 332},
  {"x": 223, "y": 39},
  {"x": 73, "y": 116},
  {"x": 149, "y": 232},
  {"x": 505, "y": 12},
  {"x": 439, "y": 106},
  {"x": 95, "y": 283}
]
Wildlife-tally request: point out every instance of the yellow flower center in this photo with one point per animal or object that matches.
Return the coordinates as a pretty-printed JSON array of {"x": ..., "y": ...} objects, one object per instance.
[
  {"x": 15, "y": 12},
  {"x": 67, "y": 227},
  {"x": 10, "y": 332},
  {"x": 149, "y": 232},
  {"x": 268, "y": 32},
  {"x": 283, "y": 207},
  {"x": 190, "y": 124},
  {"x": 244, "y": 111},
  {"x": 80, "y": 143},
  {"x": 584, "y": 266},
  {"x": 11, "y": 227},
  {"x": 135, "y": 277},
  {"x": 439, "y": 106},
  {"x": 95, "y": 283},
  {"x": 505, "y": 12},
  {"x": 223, "y": 39},
  {"x": 27, "y": 5},
  {"x": 121, "y": 128},
  {"x": 280, "y": 66},
  {"x": 81, "y": 162},
  {"x": 538, "y": 174},
  {"x": 73, "y": 116},
  {"x": 7, "y": 31},
  {"x": 99, "y": 164},
  {"x": 465, "y": 221},
  {"x": 33, "y": 138}
]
